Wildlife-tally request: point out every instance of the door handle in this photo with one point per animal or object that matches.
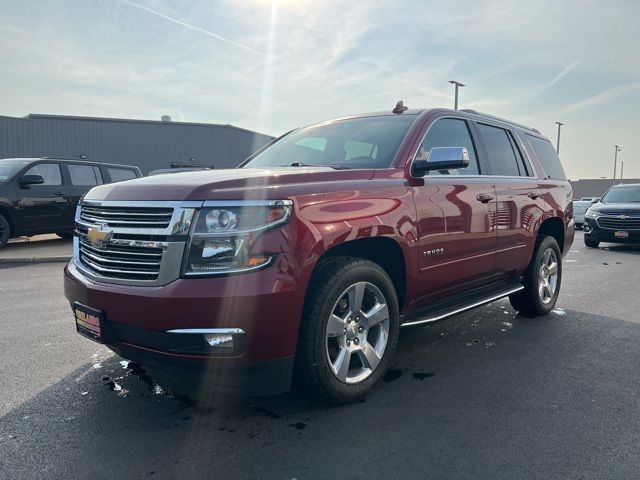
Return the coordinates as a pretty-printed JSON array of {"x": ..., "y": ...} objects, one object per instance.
[
  {"x": 60, "y": 194},
  {"x": 485, "y": 197},
  {"x": 533, "y": 195}
]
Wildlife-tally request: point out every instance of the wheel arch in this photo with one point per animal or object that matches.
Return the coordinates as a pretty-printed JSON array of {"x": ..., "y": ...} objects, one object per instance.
[
  {"x": 553, "y": 227},
  {"x": 6, "y": 213},
  {"x": 384, "y": 251}
]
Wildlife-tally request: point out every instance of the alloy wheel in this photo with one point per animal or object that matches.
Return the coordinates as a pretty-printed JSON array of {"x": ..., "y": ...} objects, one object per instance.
[
  {"x": 357, "y": 332},
  {"x": 548, "y": 276}
]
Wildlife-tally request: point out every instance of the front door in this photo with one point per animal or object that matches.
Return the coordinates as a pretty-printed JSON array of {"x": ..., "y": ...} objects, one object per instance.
[
  {"x": 43, "y": 208},
  {"x": 455, "y": 211}
]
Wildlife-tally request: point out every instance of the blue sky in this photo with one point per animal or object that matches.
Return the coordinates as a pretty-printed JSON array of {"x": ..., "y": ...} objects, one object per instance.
[{"x": 274, "y": 65}]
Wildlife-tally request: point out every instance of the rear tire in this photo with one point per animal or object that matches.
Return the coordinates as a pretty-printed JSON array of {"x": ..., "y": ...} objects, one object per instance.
[
  {"x": 591, "y": 243},
  {"x": 348, "y": 332},
  {"x": 5, "y": 231},
  {"x": 541, "y": 281}
]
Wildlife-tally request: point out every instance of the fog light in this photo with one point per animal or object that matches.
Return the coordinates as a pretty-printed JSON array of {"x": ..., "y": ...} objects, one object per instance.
[{"x": 219, "y": 340}]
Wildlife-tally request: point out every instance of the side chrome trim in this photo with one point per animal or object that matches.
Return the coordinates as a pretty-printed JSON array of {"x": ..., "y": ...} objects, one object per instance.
[
  {"x": 465, "y": 308},
  {"x": 207, "y": 331}
]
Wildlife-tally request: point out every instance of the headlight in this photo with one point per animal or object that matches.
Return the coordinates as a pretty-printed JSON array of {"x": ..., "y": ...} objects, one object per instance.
[
  {"x": 591, "y": 213},
  {"x": 223, "y": 235}
]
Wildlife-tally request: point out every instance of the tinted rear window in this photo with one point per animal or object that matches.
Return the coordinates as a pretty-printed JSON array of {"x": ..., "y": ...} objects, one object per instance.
[
  {"x": 119, "y": 174},
  {"x": 548, "y": 157}
]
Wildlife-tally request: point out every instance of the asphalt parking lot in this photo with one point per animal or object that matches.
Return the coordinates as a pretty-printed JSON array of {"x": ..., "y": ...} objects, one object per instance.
[{"x": 487, "y": 394}]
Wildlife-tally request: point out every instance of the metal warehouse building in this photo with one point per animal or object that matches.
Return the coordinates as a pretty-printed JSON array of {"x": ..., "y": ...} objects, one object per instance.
[{"x": 147, "y": 144}]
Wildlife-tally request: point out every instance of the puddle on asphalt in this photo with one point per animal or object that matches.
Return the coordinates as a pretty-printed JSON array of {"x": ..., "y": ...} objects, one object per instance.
[{"x": 422, "y": 375}]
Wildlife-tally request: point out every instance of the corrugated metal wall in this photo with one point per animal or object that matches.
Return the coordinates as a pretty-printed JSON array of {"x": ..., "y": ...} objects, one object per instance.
[
  {"x": 148, "y": 144},
  {"x": 596, "y": 187}
]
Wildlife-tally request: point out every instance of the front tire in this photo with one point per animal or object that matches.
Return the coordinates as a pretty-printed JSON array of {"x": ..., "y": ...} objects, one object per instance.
[
  {"x": 348, "y": 332},
  {"x": 541, "y": 281},
  {"x": 591, "y": 243},
  {"x": 5, "y": 231}
]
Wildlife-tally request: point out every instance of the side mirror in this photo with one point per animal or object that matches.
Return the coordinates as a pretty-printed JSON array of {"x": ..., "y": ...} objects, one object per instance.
[
  {"x": 27, "y": 180},
  {"x": 441, "y": 158},
  {"x": 595, "y": 199}
]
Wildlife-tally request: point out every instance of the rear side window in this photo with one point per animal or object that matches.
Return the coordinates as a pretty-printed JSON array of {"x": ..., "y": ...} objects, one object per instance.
[
  {"x": 84, "y": 175},
  {"x": 449, "y": 132},
  {"x": 548, "y": 157},
  {"x": 119, "y": 174},
  {"x": 49, "y": 171},
  {"x": 503, "y": 156}
]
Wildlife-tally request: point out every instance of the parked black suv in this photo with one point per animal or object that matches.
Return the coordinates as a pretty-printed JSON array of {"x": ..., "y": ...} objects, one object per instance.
[
  {"x": 40, "y": 195},
  {"x": 615, "y": 218}
]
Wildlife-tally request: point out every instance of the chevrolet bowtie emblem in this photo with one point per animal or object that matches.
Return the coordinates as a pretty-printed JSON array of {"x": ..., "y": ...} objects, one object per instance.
[
  {"x": 99, "y": 235},
  {"x": 622, "y": 217}
]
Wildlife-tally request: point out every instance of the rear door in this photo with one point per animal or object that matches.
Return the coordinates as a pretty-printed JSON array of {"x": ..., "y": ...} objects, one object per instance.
[
  {"x": 454, "y": 209},
  {"x": 520, "y": 205},
  {"x": 44, "y": 208}
]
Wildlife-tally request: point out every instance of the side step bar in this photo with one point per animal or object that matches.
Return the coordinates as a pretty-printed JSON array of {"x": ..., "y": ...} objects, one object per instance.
[{"x": 439, "y": 315}]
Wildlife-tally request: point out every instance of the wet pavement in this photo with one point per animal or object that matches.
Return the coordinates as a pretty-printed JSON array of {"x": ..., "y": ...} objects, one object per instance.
[{"x": 487, "y": 394}]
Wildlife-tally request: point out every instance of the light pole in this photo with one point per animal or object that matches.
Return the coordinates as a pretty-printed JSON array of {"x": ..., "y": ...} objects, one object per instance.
[
  {"x": 621, "y": 169},
  {"x": 615, "y": 160},
  {"x": 457, "y": 84},
  {"x": 558, "y": 141}
]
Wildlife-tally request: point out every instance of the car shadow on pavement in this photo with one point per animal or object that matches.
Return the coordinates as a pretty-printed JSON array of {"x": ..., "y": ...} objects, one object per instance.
[{"x": 481, "y": 395}]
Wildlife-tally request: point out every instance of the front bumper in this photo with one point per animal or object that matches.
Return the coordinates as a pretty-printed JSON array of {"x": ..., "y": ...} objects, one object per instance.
[
  {"x": 593, "y": 231},
  {"x": 266, "y": 305}
]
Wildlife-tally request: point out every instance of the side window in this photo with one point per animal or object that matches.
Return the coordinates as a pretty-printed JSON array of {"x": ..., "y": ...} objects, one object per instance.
[
  {"x": 522, "y": 163},
  {"x": 49, "y": 171},
  {"x": 548, "y": 157},
  {"x": 83, "y": 175},
  {"x": 500, "y": 150},
  {"x": 120, "y": 174},
  {"x": 449, "y": 132},
  {"x": 98, "y": 174}
]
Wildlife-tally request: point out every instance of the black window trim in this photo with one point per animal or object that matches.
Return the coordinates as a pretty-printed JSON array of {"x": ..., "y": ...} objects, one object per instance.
[
  {"x": 472, "y": 134},
  {"x": 514, "y": 140},
  {"x": 63, "y": 178}
]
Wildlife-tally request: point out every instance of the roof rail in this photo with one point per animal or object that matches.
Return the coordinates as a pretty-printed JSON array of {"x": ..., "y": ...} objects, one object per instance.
[{"x": 493, "y": 117}]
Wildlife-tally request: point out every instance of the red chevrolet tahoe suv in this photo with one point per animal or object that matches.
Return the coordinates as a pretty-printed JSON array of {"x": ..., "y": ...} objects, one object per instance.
[{"x": 303, "y": 263}]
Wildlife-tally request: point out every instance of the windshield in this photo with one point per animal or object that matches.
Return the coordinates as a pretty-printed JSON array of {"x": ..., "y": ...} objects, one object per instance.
[
  {"x": 622, "y": 195},
  {"x": 8, "y": 168},
  {"x": 369, "y": 142}
]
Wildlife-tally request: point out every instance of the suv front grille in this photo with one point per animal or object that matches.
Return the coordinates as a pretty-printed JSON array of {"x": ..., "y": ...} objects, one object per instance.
[
  {"x": 131, "y": 217},
  {"x": 617, "y": 223},
  {"x": 120, "y": 259},
  {"x": 132, "y": 243}
]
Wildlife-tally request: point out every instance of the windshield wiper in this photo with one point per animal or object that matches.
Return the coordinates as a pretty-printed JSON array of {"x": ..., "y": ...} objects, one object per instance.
[{"x": 300, "y": 164}]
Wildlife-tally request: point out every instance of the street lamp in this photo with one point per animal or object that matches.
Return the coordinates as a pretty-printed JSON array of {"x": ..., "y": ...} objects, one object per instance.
[
  {"x": 615, "y": 160},
  {"x": 558, "y": 141},
  {"x": 457, "y": 84}
]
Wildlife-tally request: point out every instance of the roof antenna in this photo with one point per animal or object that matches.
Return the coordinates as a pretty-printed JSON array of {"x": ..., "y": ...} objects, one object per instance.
[{"x": 399, "y": 108}]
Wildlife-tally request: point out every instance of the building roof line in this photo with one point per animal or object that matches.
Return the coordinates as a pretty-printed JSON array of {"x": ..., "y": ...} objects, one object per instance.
[{"x": 38, "y": 116}]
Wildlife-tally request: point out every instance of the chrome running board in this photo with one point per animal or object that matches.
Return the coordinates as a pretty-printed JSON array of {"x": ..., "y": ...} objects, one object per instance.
[{"x": 442, "y": 315}]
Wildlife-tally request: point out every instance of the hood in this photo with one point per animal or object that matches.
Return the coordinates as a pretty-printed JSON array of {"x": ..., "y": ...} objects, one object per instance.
[
  {"x": 232, "y": 184},
  {"x": 617, "y": 208}
]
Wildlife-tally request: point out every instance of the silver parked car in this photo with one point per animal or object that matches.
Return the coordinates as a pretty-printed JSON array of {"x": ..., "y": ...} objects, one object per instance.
[{"x": 580, "y": 207}]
